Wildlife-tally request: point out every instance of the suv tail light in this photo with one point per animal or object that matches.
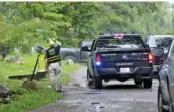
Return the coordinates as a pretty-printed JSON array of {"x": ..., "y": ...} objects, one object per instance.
[
  {"x": 151, "y": 58},
  {"x": 97, "y": 58}
]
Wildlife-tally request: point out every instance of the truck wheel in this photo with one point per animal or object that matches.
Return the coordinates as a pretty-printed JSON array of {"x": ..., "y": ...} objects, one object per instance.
[
  {"x": 138, "y": 82},
  {"x": 89, "y": 79},
  {"x": 97, "y": 83},
  {"x": 70, "y": 59},
  {"x": 147, "y": 83}
]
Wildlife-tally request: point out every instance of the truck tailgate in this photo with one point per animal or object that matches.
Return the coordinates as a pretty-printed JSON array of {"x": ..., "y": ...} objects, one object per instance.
[{"x": 124, "y": 58}]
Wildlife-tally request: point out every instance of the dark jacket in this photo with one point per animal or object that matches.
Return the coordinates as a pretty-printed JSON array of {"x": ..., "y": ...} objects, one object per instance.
[{"x": 53, "y": 54}]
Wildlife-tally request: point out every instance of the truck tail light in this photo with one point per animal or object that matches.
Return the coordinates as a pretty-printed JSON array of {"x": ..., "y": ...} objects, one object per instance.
[
  {"x": 151, "y": 58},
  {"x": 97, "y": 59}
]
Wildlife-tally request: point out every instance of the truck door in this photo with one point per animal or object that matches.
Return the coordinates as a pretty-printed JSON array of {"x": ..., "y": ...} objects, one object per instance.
[{"x": 84, "y": 55}]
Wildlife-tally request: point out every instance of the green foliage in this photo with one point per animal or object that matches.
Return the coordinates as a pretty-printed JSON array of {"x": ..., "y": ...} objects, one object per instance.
[
  {"x": 27, "y": 99},
  {"x": 144, "y": 18},
  {"x": 27, "y": 68},
  {"x": 28, "y": 23}
]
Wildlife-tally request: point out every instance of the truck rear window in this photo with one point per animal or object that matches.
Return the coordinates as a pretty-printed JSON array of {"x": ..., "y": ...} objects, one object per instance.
[{"x": 130, "y": 41}]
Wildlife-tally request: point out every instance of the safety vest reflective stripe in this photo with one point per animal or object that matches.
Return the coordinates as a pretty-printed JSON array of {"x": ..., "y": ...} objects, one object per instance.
[
  {"x": 53, "y": 60},
  {"x": 54, "y": 57}
]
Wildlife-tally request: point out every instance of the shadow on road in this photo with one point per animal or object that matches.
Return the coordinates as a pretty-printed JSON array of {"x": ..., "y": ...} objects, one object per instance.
[{"x": 127, "y": 87}]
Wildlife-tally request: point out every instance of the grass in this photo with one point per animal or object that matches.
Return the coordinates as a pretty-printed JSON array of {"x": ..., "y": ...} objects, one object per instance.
[
  {"x": 29, "y": 99},
  {"x": 21, "y": 69}
]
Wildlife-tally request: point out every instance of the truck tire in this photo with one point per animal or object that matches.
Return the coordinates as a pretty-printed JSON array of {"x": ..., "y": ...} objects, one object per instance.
[
  {"x": 97, "y": 82},
  {"x": 147, "y": 83},
  {"x": 138, "y": 82},
  {"x": 70, "y": 58},
  {"x": 89, "y": 79}
]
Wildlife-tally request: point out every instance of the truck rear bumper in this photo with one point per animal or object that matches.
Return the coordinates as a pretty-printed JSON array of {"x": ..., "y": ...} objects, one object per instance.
[{"x": 143, "y": 72}]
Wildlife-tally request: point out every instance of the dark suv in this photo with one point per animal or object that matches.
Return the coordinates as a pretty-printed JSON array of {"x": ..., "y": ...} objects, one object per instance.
[
  {"x": 159, "y": 41},
  {"x": 166, "y": 83}
]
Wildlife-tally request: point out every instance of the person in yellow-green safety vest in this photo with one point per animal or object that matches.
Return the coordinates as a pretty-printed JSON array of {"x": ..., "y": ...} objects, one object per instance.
[{"x": 53, "y": 64}]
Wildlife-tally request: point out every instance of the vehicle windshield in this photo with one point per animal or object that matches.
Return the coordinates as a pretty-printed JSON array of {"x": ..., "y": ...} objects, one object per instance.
[
  {"x": 125, "y": 42},
  {"x": 161, "y": 42}
]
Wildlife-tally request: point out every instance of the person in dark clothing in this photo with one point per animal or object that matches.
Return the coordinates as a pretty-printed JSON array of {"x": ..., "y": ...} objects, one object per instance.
[{"x": 53, "y": 65}]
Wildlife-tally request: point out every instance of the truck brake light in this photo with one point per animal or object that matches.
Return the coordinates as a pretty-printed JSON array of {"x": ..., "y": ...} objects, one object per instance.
[
  {"x": 97, "y": 59},
  {"x": 150, "y": 58},
  {"x": 119, "y": 36}
]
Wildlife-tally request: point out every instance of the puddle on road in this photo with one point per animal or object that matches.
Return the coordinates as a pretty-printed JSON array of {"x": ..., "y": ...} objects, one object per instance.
[
  {"x": 99, "y": 108},
  {"x": 76, "y": 85},
  {"x": 93, "y": 92},
  {"x": 94, "y": 103}
]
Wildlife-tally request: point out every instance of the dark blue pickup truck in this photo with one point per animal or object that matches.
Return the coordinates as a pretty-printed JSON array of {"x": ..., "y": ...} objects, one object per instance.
[{"x": 121, "y": 57}]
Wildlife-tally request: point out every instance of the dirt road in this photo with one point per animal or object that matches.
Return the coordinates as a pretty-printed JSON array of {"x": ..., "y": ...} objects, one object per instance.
[{"x": 114, "y": 97}]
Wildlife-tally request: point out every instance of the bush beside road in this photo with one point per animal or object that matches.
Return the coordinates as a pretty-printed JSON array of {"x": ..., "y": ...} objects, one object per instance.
[{"x": 28, "y": 99}]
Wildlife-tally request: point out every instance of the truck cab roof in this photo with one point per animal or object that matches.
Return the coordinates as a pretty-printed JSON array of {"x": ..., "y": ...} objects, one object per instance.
[{"x": 114, "y": 34}]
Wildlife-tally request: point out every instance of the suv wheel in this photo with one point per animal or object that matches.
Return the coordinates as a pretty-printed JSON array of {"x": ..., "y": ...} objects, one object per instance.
[
  {"x": 160, "y": 102},
  {"x": 138, "y": 82},
  {"x": 147, "y": 83}
]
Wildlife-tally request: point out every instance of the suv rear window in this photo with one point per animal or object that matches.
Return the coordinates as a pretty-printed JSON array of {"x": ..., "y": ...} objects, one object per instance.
[
  {"x": 128, "y": 41},
  {"x": 164, "y": 42}
]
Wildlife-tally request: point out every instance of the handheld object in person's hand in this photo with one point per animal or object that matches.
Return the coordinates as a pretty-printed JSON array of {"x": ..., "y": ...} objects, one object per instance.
[{"x": 39, "y": 49}]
